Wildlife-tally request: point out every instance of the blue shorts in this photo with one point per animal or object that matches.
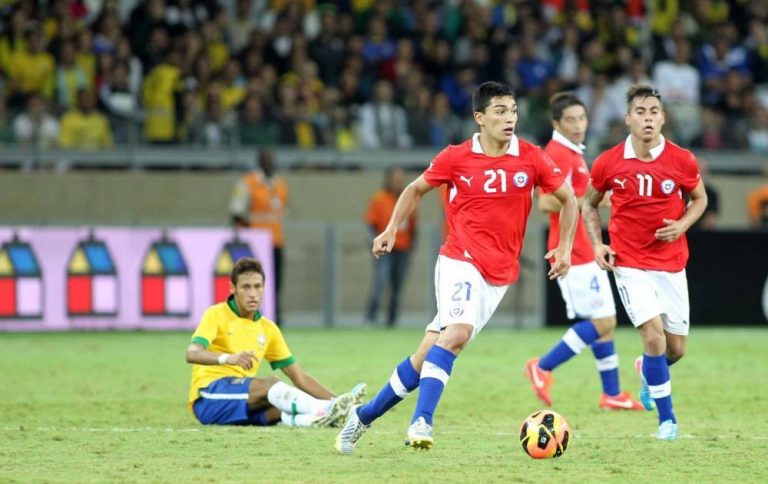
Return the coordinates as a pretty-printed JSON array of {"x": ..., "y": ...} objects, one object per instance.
[{"x": 225, "y": 402}]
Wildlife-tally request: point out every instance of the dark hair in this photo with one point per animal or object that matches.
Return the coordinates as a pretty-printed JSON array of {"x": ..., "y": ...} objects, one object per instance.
[
  {"x": 487, "y": 91},
  {"x": 642, "y": 91},
  {"x": 561, "y": 101},
  {"x": 245, "y": 265}
]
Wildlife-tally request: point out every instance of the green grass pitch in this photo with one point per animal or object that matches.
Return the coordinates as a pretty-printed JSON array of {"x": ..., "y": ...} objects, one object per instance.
[{"x": 94, "y": 407}]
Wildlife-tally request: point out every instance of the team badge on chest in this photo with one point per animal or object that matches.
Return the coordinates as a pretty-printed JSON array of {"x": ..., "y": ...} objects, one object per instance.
[
  {"x": 667, "y": 187},
  {"x": 520, "y": 179},
  {"x": 262, "y": 340}
]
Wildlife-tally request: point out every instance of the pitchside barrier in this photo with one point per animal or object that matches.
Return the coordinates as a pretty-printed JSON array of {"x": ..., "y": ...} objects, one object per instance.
[
  {"x": 727, "y": 281},
  {"x": 120, "y": 277}
]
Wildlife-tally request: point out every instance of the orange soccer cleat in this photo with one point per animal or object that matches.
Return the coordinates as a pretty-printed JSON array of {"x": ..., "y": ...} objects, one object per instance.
[
  {"x": 622, "y": 401},
  {"x": 541, "y": 380}
]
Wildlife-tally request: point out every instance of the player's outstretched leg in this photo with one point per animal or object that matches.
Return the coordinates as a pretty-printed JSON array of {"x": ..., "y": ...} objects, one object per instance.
[
  {"x": 404, "y": 380},
  {"x": 656, "y": 373},
  {"x": 537, "y": 370},
  {"x": 434, "y": 376},
  {"x": 607, "y": 362}
]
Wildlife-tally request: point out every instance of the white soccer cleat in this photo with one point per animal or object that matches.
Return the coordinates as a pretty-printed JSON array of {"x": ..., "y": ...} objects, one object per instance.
[
  {"x": 359, "y": 392},
  {"x": 420, "y": 435},
  {"x": 667, "y": 431},
  {"x": 335, "y": 411},
  {"x": 351, "y": 433}
]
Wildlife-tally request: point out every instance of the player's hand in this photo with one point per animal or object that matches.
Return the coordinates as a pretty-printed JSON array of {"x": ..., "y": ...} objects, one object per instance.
[
  {"x": 605, "y": 257},
  {"x": 383, "y": 243},
  {"x": 674, "y": 230},
  {"x": 244, "y": 359},
  {"x": 559, "y": 268}
]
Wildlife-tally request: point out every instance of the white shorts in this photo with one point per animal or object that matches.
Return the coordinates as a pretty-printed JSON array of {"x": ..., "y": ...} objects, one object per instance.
[
  {"x": 463, "y": 295},
  {"x": 587, "y": 292},
  {"x": 647, "y": 294}
]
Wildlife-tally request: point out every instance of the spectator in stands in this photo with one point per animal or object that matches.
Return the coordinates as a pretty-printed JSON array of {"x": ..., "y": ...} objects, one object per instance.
[
  {"x": 328, "y": 49},
  {"x": 36, "y": 126},
  {"x": 383, "y": 124},
  {"x": 120, "y": 103},
  {"x": 259, "y": 200},
  {"x": 84, "y": 128},
  {"x": 444, "y": 126},
  {"x": 70, "y": 77},
  {"x": 679, "y": 84},
  {"x": 255, "y": 126},
  {"x": 757, "y": 204},
  {"x": 159, "y": 99},
  {"x": 757, "y": 136},
  {"x": 30, "y": 71},
  {"x": 389, "y": 272}
]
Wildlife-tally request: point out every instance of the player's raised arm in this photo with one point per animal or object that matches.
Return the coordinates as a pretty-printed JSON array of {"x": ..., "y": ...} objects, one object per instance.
[
  {"x": 674, "y": 229},
  {"x": 406, "y": 204},
  {"x": 604, "y": 255},
  {"x": 568, "y": 215}
]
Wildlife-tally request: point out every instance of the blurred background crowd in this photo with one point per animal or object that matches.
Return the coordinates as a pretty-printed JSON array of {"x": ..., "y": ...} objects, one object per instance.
[{"x": 89, "y": 74}]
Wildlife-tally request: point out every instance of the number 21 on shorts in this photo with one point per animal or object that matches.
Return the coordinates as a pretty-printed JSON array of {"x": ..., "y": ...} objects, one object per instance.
[{"x": 462, "y": 291}]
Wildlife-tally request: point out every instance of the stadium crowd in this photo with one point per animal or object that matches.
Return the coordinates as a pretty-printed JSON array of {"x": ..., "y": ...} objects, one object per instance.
[{"x": 351, "y": 74}]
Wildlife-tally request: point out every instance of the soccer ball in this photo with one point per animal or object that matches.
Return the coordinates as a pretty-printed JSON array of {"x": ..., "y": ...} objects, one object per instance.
[{"x": 544, "y": 435}]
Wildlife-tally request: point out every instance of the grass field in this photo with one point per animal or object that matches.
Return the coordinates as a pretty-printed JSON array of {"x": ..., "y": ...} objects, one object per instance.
[{"x": 111, "y": 406}]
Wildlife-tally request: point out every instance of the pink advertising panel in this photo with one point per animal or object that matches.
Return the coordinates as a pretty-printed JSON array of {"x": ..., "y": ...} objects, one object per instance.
[{"x": 120, "y": 277}]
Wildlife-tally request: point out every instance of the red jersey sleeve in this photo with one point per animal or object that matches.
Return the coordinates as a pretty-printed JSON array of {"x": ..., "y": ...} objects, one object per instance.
[
  {"x": 439, "y": 171},
  {"x": 597, "y": 175},
  {"x": 690, "y": 172},
  {"x": 548, "y": 176}
]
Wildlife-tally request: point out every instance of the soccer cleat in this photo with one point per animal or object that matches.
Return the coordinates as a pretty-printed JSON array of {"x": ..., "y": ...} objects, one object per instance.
[
  {"x": 645, "y": 392},
  {"x": 622, "y": 401},
  {"x": 420, "y": 435},
  {"x": 541, "y": 381},
  {"x": 667, "y": 430},
  {"x": 351, "y": 433},
  {"x": 359, "y": 392},
  {"x": 335, "y": 411}
]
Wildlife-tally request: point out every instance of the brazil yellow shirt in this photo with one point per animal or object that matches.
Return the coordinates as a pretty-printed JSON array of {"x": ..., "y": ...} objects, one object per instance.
[{"x": 222, "y": 330}]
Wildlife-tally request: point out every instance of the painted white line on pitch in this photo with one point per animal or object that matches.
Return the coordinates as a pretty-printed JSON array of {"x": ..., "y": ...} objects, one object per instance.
[{"x": 280, "y": 428}]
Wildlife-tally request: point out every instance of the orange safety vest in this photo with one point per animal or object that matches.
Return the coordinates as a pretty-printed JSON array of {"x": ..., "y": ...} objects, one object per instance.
[
  {"x": 380, "y": 210},
  {"x": 268, "y": 202}
]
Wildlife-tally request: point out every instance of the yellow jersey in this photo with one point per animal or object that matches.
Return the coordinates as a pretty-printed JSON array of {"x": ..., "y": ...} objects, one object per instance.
[{"x": 222, "y": 330}]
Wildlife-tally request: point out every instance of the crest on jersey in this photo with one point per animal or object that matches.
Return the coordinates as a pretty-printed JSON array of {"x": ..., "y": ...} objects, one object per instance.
[
  {"x": 520, "y": 179},
  {"x": 667, "y": 187},
  {"x": 457, "y": 311},
  {"x": 262, "y": 340}
]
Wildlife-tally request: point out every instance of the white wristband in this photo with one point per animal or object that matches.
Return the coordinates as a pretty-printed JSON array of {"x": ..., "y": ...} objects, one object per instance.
[{"x": 223, "y": 358}]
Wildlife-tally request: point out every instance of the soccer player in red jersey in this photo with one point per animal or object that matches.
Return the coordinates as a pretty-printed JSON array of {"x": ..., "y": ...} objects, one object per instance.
[
  {"x": 586, "y": 289},
  {"x": 647, "y": 176},
  {"x": 490, "y": 178}
]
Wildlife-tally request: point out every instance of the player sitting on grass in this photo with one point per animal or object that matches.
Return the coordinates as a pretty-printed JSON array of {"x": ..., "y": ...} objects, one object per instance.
[{"x": 227, "y": 348}]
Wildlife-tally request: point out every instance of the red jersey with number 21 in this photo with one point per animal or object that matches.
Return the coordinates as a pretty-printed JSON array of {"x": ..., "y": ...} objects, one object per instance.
[
  {"x": 645, "y": 193},
  {"x": 489, "y": 201}
]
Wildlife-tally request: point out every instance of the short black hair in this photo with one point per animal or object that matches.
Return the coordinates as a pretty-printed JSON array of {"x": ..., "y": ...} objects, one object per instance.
[
  {"x": 245, "y": 265},
  {"x": 642, "y": 91},
  {"x": 561, "y": 101},
  {"x": 487, "y": 91}
]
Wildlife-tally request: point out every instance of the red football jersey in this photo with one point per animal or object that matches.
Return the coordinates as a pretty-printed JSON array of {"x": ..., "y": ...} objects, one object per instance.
[
  {"x": 645, "y": 193},
  {"x": 489, "y": 201},
  {"x": 568, "y": 157}
]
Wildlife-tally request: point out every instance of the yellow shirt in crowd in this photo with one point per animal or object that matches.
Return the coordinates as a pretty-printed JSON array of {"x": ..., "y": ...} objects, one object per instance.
[{"x": 85, "y": 131}]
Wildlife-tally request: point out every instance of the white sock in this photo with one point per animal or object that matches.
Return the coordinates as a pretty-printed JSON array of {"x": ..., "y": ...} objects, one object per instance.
[
  {"x": 302, "y": 420},
  {"x": 293, "y": 401}
]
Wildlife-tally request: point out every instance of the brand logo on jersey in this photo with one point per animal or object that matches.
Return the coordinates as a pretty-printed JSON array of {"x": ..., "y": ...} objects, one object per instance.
[
  {"x": 620, "y": 182},
  {"x": 456, "y": 311},
  {"x": 583, "y": 169},
  {"x": 558, "y": 170},
  {"x": 667, "y": 187},
  {"x": 262, "y": 340},
  {"x": 521, "y": 179},
  {"x": 466, "y": 180}
]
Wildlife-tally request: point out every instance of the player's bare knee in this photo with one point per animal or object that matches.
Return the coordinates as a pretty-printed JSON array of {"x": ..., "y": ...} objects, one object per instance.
[
  {"x": 259, "y": 388},
  {"x": 455, "y": 337},
  {"x": 605, "y": 327}
]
